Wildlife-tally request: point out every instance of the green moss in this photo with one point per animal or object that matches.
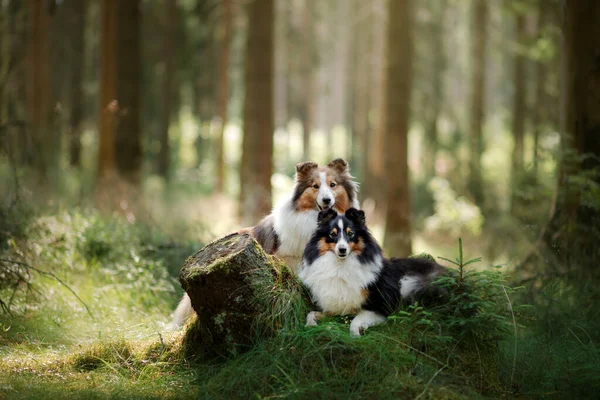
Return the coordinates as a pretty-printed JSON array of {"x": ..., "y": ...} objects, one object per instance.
[
  {"x": 225, "y": 249},
  {"x": 101, "y": 354}
]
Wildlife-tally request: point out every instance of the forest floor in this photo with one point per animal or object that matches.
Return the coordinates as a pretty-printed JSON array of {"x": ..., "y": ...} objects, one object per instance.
[{"x": 86, "y": 317}]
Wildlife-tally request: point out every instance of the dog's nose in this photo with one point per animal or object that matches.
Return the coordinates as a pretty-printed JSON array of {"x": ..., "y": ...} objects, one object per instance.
[
  {"x": 342, "y": 251},
  {"x": 326, "y": 200}
]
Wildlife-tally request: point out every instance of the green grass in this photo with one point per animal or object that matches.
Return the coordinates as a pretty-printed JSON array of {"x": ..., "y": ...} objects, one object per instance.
[
  {"x": 557, "y": 350},
  {"x": 124, "y": 273}
]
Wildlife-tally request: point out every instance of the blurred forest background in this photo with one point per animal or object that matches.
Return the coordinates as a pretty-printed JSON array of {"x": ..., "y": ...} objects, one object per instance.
[
  {"x": 461, "y": 98},
  {"x": 134, "y": 131}
]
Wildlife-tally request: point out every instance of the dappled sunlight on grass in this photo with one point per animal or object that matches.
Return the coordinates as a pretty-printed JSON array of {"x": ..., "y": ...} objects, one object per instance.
[
  {"x": 123, "y": 266},
  {"x": 52, "y": 344}
]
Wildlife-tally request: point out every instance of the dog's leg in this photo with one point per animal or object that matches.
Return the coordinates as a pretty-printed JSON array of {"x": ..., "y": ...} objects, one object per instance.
[
  {"x": 313, "y": 317},
  {"x": 182, "y": 313},
  {"x": 363, "y": 320}
]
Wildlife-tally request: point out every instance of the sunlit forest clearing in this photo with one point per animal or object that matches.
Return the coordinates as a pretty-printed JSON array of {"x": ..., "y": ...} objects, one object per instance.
[{"x": 135, "y": 132}]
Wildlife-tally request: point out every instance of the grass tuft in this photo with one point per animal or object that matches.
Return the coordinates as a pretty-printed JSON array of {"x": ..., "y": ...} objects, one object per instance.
[{"x": 100, "y": 354}]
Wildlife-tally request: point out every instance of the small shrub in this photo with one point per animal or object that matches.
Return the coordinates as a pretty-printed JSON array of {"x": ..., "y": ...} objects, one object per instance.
[
  {"x": 465, "y": 330},
  {"x": 106, "y": 238}
]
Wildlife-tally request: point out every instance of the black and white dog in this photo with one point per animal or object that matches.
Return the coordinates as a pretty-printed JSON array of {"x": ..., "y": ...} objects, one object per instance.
[{"x": 344, "y": 268}]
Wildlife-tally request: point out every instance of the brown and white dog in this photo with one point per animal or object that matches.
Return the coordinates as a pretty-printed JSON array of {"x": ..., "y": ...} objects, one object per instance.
[
  {"x": 287, "y": 230},
  {"x": 291, "y": 224}
]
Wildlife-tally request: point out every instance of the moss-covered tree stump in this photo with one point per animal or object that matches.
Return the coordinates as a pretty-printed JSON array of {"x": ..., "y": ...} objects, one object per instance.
[{"x": 240, "y": 294}]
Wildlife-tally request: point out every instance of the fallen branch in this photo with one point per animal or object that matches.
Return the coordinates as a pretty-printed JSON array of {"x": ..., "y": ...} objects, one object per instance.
[{"x": 52, "y": 275}]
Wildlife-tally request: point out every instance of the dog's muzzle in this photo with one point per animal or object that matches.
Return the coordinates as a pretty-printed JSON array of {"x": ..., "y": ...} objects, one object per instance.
[
  {"x": 341, "y": 252},
  {"x": 326, "y": 204}
]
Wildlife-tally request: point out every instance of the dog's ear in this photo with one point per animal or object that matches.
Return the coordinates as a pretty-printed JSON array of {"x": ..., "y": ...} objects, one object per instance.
[
  {"x": 326, "y": 216},
  {"x": 339, "y": 164},
  {"x": 304, "y": 168},
  {"x": 356, "y": 216}
]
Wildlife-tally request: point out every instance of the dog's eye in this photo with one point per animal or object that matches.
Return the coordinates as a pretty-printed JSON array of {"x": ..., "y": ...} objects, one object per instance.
[
  {"x": 332, "y": 184},
  {"x": 350, "y": 235},
  {"x": 315, "y": 186},
  {"x": 333, "y": 234}
]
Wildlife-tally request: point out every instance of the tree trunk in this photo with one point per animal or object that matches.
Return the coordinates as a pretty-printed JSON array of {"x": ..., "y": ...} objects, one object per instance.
[
  {"x": 257, "y": 147},
  {"x": 307, "y": 111},
  {"x": 350, "y": 45},
  {"x": 206, "y": 85},
  {"x": 108, "y": 89},
  {"x": 360, "y": 107},
  {"x": 6, "y": 61},
  {"x": 573, "y": 232},
  {"x": 168, "y": 52},
  {"x": 374, "y": 164},
  {"x": 77, "y": 99},
  {"x": 478, "y": 62},
  {"x": 128, "y": 151},
  {"x": 398, "y": 78},
  {"x": 339, "y": 80},
  {"x": 540, "y": 97},
  {"x": 519, "y": 110},
  {"x": 15, "y": 73},
  {"x": 437, "y": 89},
  {"x": 224, "y": 56},
  {"x": 44, "y": 139},
  {"x": 285, "y": 76}
]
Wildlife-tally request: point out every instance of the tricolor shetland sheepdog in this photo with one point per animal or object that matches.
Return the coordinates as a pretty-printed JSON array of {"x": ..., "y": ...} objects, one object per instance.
[
  {"x": 286, "y": 231},
  {"x": 344, "y": 268}
]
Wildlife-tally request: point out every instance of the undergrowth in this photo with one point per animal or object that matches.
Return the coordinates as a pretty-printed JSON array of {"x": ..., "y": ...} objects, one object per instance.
[
  {"x": 557, "y": 350},
  {"x": 71, "y": 276},
  {"x": 465, "y": 348}
]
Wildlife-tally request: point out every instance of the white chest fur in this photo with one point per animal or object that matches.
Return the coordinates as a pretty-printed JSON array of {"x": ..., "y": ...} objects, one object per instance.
[
  {"x": 337, "y": 284},
  {"x": 293, "y": 228}
]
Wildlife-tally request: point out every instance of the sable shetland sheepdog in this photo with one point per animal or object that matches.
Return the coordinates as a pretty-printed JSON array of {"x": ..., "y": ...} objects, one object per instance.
[
  {"x": 286, "y": 231},
  {"x": 344, "y": 268},
  {"x": 291, "y": 224}
]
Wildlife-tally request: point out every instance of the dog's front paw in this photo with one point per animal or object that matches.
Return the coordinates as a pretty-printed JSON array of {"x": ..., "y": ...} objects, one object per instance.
[
  {"x": 354, "y": 331},
  {"x": 363, "y": 320},
  {"x": 312, "y": 318},
  {"x": 356, "y": 328}
]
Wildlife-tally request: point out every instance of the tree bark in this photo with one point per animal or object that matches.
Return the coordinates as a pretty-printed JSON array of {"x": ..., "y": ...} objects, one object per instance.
[
  {"x": 224, "y": 56},
  {"x": 398, "y": 78},
  {"x": 234, "y": 287},
  {"x": 437, "y": 89},
  {"x": 285, "y": 74},
  {"x": 478, "y": 62},
  {"x": 77, "y": 100},
  {"x": 128, "y": 150},
  {"x": 306, "y": 110},
  {"x": 519, "y": 104},
  {"x": 108, "y": 89},
  {"x": 257, "y": 146},
  {"x": 168, "y": 52},
  {"x": 361, "y": 101},
  {"x": 6, "y": 61},
  {"x": 374, "y": 164},
  {"x": 206, "y": 85},
  {"x": 340, "y": 15},
  {"x": 573, "y": 232},
  {"x": 44, "y": 139},
  {"x": 540, "y": 96}
]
